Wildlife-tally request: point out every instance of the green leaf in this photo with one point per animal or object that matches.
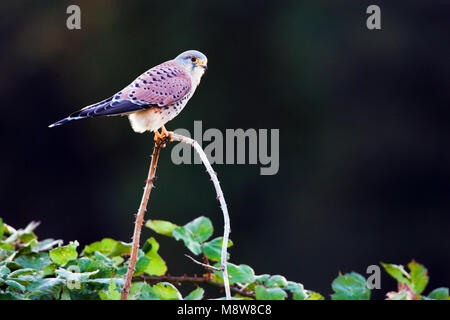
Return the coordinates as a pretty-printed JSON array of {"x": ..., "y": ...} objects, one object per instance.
[
  {"x": 109, "y": 247},
  {"x": 65, "y": 294},
  {"x": 262, "y": 278},
  {"x": 238, "y": 274},
  {"x": 419, "y": 277},
  {"x": 46, "y": 245},
  {"x": 156, "y": 265},
  {"x": 74, "y": 277},
  {"x": 62, "y": 255},
  {"x": 196, "y": 294},
  {"x": 98, "y": 262},
  {"x": 201, "y": 228},
  {"x": 166, "y": 291},
  {"x": 193, "y": 233},
  {"x": 36, "y": 261},
  {"x": 161, "y": 227},
  {"x": 439, "y": 294},
  {"x": 141, "y": 291},
  {"x": 297, "y": 289},
  {"x": 314, "y": 295},
  {"x": 2, "y": 228},
  {"x": 44, "y": 287},
  {"x": 25, "y": 275},
  {"x": 15, "y": 285},
  {"x": 188, "y": 239},
  {"x": 397, "y": 272},
  {"x": 111, "y": 294},
  {"x": 276, "y": 281},
  {"x": 213, "y": 249},
  {"x": 350, "y": 286},
  {"x": 4, "y": 270},
  {"x": 136, "y": 289},
  {"x": 263, "y": 293}
]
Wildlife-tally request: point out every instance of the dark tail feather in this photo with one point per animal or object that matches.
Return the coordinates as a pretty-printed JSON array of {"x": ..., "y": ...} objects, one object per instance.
[
  {"x": 61, "y": 122},
  {"x": 89, "y": 111}
]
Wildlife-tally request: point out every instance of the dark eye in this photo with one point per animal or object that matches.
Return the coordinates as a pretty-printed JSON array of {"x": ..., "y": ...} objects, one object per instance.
[{"x": 194, "y": 59}]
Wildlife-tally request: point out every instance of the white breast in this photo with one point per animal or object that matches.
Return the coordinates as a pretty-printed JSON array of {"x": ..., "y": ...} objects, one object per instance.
[{"x": 155, "y": 118}]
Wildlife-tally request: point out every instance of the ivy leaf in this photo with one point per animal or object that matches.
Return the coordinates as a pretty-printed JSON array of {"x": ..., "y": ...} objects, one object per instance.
[
  {"x": 213, "y": 249},
  {"x": 397, "y": 272},
  {"x": 196, "y": 294},
  {"x": 237, "y": 273},
  {"x": 111, "y": 294},
  {"x": 439, "y": 294},
  {"x": 62, "y": 255},
  {"x": 109, "y": 247},
  {"x": 419, "y": 277},
  {"x": 263, "y": 293},
  {"x": 350, "y": 286},
  {"x": 162, "y": 227}
]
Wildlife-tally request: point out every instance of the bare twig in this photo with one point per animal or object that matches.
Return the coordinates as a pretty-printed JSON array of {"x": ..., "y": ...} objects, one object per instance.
[
  {"x": 223, "y": 205},
  {"x": 195, "y": 280},
  {"x": 207, "y": 266},
  {"x": 140, "y": 218},
  {"x": 142, "y": 209}
]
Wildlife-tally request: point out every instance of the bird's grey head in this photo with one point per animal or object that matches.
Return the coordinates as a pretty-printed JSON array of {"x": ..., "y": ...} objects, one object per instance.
[{"x": 193, "y": 61}]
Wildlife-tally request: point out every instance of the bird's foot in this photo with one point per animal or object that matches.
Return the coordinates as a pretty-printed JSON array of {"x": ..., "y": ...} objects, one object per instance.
[{"x": 162, "y": 138}]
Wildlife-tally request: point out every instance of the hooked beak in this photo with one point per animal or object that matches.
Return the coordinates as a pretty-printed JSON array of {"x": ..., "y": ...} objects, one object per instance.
[{"x": 203, "y": 65}]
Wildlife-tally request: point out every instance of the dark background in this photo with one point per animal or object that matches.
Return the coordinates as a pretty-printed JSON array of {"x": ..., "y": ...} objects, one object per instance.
[{"x": 363, "y": 116}]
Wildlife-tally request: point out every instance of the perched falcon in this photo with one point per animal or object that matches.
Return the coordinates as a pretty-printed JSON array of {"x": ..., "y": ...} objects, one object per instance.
[{"x": 155, "y": 97}]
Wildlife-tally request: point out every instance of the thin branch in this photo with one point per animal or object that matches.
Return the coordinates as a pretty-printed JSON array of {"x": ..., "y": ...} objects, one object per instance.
[
  {"x": 223, "y": 205},
  {"x": 195, "y": 280},
  {"x": 207, "y": 266},
  {"x": 140, "y": 218},
  {"x": 142, "y": 209}
]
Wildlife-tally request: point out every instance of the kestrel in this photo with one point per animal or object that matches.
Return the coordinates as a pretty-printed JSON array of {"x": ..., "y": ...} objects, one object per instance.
[{"x": 154, "y": 98}]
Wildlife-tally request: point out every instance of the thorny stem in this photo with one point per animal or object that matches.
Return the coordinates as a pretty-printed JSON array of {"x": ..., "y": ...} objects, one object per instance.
[
  {"x": 195, "y": 280},
  {"x": 140, "y": 218},
  {"x": 142, "y": 208},
  {"x": 223, "y": 205}
]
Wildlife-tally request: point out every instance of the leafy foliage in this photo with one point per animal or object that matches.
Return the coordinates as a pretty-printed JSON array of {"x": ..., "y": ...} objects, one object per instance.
[{"x": 47, "y": 269}]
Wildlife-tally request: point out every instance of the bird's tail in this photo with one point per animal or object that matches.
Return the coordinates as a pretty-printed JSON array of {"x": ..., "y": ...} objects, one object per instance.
[
  {"x": 65, "y": 120},
  {"x": 89, "y": 111}
]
